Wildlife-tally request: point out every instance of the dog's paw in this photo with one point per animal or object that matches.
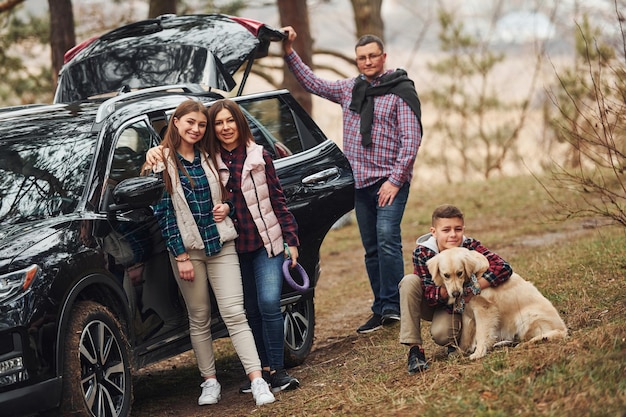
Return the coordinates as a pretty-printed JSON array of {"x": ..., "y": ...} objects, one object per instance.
[{"x": 478, "y": 353}]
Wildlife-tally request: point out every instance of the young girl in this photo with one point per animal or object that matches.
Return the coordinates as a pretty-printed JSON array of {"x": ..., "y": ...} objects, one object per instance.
[
  {"x": 193, "y": 216},
  {"x": 264, "y": 224}
]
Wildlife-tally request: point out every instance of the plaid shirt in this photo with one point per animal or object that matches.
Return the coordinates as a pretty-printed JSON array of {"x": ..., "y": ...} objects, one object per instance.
[
  {"x": 199, "y": 200},
  {"x": 498, "y": 272},
  {"x": 396, "y": 134},
  {"x": 249, "y": 238}
]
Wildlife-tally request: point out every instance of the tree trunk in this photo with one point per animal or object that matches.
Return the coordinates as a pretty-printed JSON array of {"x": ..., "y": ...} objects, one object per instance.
[
  {"x": 159, "y": 7},
  {"x": 367, "y": 18},
  {"x": 62, "y": 36},
  {"x": 296, "y": 14}
]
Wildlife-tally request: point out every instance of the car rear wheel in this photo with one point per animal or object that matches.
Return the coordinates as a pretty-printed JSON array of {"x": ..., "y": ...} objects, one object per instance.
[
  {"x": 299, "y": 330},
  {"x": 96, "y": 372}
]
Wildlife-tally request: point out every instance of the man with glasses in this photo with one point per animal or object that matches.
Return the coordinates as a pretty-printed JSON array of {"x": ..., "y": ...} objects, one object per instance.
[{"x": 382, "y": 133}]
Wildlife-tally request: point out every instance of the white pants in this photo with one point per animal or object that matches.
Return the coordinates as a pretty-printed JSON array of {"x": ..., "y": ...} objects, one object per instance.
[{"x": 222, "y": 272}]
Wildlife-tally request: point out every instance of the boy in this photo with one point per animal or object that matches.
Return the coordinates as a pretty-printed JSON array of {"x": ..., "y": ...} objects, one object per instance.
[{"x": 421, "y": 299}]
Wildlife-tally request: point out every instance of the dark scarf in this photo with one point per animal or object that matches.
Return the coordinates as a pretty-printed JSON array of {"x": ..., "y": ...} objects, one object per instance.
[{"x": 397, "y": 83}]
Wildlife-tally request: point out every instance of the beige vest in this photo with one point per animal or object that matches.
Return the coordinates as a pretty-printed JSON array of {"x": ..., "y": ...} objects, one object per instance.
[{"x": 184, "y": 219}]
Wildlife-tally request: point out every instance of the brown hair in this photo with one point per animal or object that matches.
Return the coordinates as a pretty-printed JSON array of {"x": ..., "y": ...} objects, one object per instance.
[
  {"x": 245, "y": 134},
  {"x": 446, "y": 211},
  {"x": 243, "y": 128},
  {"x": 172, "y": 141},
  {"x": 367, "y": 39}
]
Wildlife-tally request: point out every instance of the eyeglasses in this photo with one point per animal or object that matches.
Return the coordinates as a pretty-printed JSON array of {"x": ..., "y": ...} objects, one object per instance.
[{"x": 371, "y": 57}]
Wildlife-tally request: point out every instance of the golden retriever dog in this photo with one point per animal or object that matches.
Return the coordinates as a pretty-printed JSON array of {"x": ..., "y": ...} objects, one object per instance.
[{"x": 513, "y": 311}]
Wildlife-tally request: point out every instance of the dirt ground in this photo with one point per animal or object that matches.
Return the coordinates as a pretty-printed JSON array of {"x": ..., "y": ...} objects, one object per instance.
[
  {"x": 343, "y": 298},
  {"x": 171, "y": 387},
  {"x": 335, "y": 333}
]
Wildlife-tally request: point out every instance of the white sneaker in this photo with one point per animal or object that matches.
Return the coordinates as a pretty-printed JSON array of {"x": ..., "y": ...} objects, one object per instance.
[
  {"x": 211, "y": 392},
  {"x": 261, "y": 392}
]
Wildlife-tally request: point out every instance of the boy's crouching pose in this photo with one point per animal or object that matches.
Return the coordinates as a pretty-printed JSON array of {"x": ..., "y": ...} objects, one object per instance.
[{"x": 421, "y": 299}]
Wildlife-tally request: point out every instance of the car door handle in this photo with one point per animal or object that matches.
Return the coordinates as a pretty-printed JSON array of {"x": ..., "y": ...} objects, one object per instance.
[{"x": 321, "y": 176}]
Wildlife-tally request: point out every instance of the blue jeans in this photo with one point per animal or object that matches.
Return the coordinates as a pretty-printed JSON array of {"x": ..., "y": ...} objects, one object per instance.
[
  {"x": 382, "y": 241},
  {"x": 262, "y": 285}
]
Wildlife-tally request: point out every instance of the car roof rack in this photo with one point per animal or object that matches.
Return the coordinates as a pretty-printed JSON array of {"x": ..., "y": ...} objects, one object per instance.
[{"x": 108, "y": 106}]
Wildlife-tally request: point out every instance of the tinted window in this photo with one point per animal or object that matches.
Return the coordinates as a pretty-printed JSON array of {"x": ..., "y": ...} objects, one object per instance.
[
  {"x": 130, "y": 151},
  {"x": 273, "y": 126},
  {"x": 43, "y": 176}
]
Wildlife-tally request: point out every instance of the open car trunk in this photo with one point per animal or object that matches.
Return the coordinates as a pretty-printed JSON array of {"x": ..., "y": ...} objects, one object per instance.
[{"x": 203, "y": 50}]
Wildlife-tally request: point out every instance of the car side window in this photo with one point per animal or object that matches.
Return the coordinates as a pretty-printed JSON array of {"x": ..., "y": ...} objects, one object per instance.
[
  {"x": 273, "y": 126},
  {"x": 130, "y": 151},
  {"x": 42, "y": 174}
]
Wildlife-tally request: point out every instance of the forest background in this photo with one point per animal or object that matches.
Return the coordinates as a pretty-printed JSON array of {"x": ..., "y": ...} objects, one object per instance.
[
  {"x": 524, "y": 113},
  {"x": 513, "y": 87}
]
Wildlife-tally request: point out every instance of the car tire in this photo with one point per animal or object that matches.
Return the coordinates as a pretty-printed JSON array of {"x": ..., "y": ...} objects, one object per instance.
[
  {"x": 299, "y": 322},
  {"x": 97, "y": 379}
]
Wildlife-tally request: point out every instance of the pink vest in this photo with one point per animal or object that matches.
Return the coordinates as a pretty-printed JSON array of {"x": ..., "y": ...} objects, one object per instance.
[{"x": 257, "y": 195}]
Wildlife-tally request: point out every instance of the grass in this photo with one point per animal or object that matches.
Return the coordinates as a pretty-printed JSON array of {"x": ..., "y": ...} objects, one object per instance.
[
  {"x": 579, "y": 265},
  {"x": 581, "y": 270}
]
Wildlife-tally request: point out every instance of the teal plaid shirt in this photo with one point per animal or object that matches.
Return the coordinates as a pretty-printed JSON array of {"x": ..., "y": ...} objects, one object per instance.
[{"x": 201, "y": 205}]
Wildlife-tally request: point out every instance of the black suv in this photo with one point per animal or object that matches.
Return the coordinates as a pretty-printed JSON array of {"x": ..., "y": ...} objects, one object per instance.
[{"x": 86, "y": 288}]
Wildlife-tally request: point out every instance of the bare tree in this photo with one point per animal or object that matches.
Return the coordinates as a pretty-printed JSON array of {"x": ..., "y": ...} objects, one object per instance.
[
  {"x": 62, "y": 36},
  {"x": 590, "y": 118},
  {"x": 159, "y": 7},
  {"x": 296, "y": 14},
  {"x": 469, "y": 120},
  {"x": 576, "y": 91},
  {"x": 368, "y": 18}
]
